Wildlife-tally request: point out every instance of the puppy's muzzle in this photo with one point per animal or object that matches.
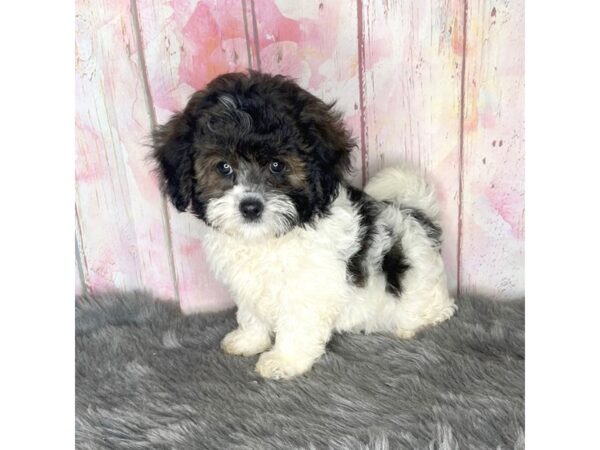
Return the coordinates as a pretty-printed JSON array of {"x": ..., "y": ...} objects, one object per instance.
[{"x": 251, "y": 208}]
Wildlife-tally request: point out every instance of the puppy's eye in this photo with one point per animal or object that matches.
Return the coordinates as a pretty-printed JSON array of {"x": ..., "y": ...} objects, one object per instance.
[
  {"x": 224, "y": 168},
  {"x": 276, "y": 166}
]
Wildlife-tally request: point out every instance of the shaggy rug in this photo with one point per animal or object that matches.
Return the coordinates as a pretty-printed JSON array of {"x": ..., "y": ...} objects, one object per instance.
[{"x": 148, "y": 377}]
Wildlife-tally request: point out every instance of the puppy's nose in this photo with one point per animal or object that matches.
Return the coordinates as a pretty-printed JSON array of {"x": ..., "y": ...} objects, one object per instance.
[{"x": 251, "y": 208}]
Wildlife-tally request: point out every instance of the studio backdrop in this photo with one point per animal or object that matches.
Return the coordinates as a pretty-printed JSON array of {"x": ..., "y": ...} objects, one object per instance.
[{"x": 436, "y": 83}]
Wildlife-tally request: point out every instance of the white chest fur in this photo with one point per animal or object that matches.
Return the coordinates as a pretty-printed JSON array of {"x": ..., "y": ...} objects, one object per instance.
[
  {"x": 302, "y": 277},
  {"x": 298, "y": 267}
]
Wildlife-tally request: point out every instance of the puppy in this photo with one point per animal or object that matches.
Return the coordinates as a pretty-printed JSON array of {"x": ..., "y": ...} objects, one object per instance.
[{"x": 262, "y": 162}]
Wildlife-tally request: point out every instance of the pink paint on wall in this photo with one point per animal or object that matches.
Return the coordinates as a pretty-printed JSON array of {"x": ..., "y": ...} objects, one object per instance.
[
  {"x": 88, "y": 167},
  {"x": 214, "y": 43},
  {"x": 492, "y": 250},
  {"x": 122, "y": 231},
  {"x": 395, "y": 69},
  {"x": 187, "y": 43}
]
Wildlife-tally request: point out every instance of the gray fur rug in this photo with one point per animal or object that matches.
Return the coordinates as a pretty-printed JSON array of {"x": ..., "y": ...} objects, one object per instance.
[{"x": 148, "y": 377}]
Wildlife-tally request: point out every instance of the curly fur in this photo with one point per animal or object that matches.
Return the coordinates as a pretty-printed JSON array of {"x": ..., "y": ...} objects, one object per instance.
[{"x": 313, "y": 255}]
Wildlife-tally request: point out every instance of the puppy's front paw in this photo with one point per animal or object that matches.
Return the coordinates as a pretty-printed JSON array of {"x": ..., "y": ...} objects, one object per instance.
[
  {"x": 245, "y": 343},
  {"x": 277, "y": 366},
  {"x": 405, "y": 334}
]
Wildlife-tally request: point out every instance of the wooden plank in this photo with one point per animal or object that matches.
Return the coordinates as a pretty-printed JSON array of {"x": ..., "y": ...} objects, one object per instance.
[
  {"x": 79, "y": 287},
  {"x": 411, "y": 67},
  {"x": 79, "y": 277},
  {"x": 315, "y": 43},
  {"x": 80, "y": 262},
  {"x": 492, "y": 254},
  {"x": 123, "y": 231},
  {"x": 186, "y": 45}
]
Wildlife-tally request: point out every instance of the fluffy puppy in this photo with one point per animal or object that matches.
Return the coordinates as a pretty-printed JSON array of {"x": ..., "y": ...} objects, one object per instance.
[{"x": 262, "y": 162}]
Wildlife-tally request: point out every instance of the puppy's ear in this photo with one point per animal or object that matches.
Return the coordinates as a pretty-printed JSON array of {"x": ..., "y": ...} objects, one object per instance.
[
  {"x": 173, "y": 142},
  {"x": 173, "y": 151},
  {"x": 332, "y": 142}
]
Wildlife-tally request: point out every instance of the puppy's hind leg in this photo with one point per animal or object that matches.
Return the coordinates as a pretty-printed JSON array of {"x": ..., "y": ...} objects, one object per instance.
[{"x": 422, "y": 308}]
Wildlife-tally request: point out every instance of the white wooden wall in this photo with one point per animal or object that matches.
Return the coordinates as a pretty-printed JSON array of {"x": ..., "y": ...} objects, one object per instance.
[{"x": 438, "y": 83}]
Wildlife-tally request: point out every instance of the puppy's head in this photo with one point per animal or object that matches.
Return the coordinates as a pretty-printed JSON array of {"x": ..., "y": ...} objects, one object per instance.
[{"x": 253, "y": 155}]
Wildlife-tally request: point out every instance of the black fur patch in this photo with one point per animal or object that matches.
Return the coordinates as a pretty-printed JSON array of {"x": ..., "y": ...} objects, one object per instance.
[
  {"x": 434, "y": 232},
  {"x": 367, "y": 210},
  {"x": 394, "y": 265}
]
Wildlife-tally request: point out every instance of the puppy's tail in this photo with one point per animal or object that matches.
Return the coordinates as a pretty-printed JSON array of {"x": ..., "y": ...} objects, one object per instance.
[{"x": 406, "y": 187}]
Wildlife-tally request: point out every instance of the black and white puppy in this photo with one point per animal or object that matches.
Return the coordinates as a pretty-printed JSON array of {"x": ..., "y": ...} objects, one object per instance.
[{"x": 262, "y": 162}]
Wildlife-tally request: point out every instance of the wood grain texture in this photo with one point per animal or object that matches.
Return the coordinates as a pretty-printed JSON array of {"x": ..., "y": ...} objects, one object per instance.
[
  {"x": 492, "y": 222},
  {"x": 411, "y": 64},
  {"x": 187, "y": 44},
  {"x": 315, "y": 43},
  {"x": 80, "y": 262},
  {"x": 399, "y": 72},
  {"x": 122, "y": 229},
  {"x": 80, "y": 287}
]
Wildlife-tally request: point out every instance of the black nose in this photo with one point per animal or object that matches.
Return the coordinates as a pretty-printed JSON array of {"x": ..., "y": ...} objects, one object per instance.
[{"x": 251, "y": 208}]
